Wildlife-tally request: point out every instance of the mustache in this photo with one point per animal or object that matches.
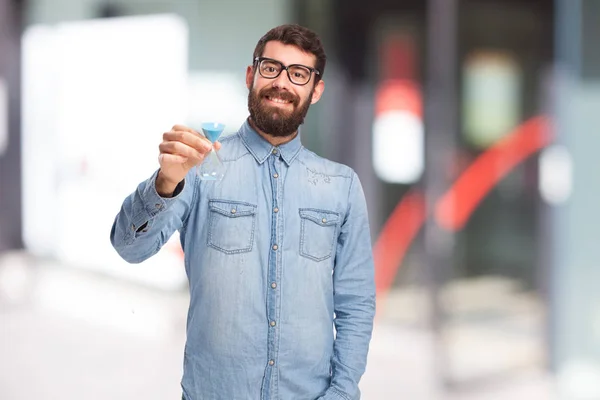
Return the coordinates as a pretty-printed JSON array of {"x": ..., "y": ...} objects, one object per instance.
[{"x": 282, "y": 94}]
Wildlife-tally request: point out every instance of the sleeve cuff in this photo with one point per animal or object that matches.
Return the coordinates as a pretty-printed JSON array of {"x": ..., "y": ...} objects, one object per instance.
[{"x": 153, "y": 202}]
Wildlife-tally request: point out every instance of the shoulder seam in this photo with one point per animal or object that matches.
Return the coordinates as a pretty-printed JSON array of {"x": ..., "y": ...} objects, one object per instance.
[
  {"x": 235, "y": 137},
  {"x": 333, "y": 163}
]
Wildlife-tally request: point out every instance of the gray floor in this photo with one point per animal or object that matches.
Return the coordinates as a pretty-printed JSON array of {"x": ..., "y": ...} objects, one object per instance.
[{"x": 69, "y": 334}]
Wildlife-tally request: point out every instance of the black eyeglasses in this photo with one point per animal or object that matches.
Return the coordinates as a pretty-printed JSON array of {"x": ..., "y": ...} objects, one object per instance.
[{"x": 297, "y": 73}]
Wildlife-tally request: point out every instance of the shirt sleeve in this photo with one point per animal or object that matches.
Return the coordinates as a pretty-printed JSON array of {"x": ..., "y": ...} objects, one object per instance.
[
  {"x": 146, "y": 220},
  {"x": 354, "y": 299}
]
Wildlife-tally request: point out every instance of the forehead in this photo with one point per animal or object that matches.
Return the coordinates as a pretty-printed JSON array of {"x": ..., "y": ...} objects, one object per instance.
[{"x": 288, "y": 54}]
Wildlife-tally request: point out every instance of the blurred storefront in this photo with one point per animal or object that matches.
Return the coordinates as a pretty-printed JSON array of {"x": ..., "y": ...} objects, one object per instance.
[
  {"x": 486, "y": 89},
  {"x": 488, "y": 213}
]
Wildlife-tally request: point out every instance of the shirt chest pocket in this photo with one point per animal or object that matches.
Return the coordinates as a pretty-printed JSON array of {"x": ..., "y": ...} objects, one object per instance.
[
  {"x": 231, "y": 226},
  {"x": 318, "y": 229}
]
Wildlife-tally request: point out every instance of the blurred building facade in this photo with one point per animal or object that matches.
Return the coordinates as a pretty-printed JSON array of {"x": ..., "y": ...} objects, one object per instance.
[{"x": 477, "y": 159}]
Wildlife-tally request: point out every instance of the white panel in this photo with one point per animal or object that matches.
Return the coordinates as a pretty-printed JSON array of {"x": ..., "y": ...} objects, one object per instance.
[
  {"x": 398, "y": 147},
  {"x": 556, "y": 174},
  {"x": 491, "y": 97},
  {"x": 97, "y": 97},
  {"x": 38, "y": 140}
]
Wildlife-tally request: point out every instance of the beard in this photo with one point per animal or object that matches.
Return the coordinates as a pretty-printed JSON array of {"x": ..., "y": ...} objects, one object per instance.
[{"x": 274, "y": 120}]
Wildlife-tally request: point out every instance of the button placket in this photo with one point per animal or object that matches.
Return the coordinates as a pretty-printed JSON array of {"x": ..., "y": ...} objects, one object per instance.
[{"x": 273, "y": 294}]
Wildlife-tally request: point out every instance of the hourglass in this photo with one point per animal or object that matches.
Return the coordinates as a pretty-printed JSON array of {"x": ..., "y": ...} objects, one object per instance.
[{"x": 212, "y": 168}]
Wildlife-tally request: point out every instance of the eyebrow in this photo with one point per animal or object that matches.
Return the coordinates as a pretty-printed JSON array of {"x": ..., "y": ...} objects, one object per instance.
[{"x": 297, "y": 63}]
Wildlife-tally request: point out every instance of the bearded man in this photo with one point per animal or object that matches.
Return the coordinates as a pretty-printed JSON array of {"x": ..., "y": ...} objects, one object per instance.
[{"x": 277, "y": 254}]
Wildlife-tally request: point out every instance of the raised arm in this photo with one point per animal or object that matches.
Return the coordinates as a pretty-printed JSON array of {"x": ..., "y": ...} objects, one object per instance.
[{"x": 160, "y": 205}]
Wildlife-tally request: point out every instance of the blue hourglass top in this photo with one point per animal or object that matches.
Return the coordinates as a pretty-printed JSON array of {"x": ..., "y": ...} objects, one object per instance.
[{"x": 212, "y": 130}]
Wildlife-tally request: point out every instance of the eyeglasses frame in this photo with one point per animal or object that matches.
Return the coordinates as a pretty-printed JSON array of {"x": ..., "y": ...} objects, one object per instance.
[{"x": 258, "y": 60}]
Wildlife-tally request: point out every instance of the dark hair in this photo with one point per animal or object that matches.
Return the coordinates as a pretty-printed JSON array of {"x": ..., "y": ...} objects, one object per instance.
[{"x": 299, "y": 36}]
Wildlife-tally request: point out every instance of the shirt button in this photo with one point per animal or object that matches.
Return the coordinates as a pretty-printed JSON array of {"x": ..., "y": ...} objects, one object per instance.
[
  {"x": 158, "y": 205},
  {"x": 274, "y": 151},
  {"x": 273, "y": 323},
  {"x": 324, "y": 220},
  {"x": 271, "y": 362},
  {"x": 276, "y": 210},
  {"x": 233, "y": 210},
  {"x": 275, "y": 247},
  {"x": 273, "y": 285},
  {"x": 275, "y": 176}
]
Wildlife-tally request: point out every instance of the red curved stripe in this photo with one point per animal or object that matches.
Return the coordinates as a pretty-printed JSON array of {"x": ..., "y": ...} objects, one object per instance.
[
  {"x": 458, "y": 203},
  {"x": 456, "y": 206},
  {"x": 397, "y": 235}
]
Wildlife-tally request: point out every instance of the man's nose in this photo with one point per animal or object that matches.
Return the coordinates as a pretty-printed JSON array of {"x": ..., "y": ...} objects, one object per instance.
[{"x": 282, "y": 81}]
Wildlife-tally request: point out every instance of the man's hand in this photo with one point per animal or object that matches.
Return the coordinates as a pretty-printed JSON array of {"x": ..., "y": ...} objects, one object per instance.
[{"x": 181, "y": 149}]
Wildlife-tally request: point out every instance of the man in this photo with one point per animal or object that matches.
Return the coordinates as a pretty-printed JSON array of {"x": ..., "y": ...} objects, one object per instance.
[{"x": 277, "y": 253}]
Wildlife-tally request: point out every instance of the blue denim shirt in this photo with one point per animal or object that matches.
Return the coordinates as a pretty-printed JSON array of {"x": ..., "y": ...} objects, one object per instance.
[{"x": 273, "y": 253}]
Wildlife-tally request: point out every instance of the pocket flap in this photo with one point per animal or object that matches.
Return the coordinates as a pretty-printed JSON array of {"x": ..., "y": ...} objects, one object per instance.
[
  {"x": 231, "y": 208},
  {"x": 321, "y": 217}
]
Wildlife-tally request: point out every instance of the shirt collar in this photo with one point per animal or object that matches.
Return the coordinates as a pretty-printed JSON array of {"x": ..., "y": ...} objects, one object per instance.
[{"x": 261, "y": 149}]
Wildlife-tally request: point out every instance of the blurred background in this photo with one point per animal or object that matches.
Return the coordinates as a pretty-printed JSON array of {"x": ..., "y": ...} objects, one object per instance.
[{"x": 473, "y": 125}]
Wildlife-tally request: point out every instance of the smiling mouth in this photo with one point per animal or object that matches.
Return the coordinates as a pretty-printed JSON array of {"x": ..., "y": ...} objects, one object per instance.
[{"x": 278, "y": 100}]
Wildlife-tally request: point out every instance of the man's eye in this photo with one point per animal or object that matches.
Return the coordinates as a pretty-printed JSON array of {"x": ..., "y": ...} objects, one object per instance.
[{"x": 270, "y": 68}]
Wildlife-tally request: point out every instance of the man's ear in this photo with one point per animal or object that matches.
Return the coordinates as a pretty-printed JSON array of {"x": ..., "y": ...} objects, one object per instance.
[
  {"x": 249, "y": 77},
  {"x": 318, "y": 91}
]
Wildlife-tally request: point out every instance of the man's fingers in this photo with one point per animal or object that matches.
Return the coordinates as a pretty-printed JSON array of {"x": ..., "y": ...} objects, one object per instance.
[
  {"x": 182, "y": 128},
  {"x": 217, "y": 146},
  {"x": 180, "y": 149},
  {"x": 191, "y": 139},
  {"x": 171, "y": 158}
]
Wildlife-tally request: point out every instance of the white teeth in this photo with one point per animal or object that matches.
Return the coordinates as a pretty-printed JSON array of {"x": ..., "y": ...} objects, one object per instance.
[{"x": 278, "y": 100}]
